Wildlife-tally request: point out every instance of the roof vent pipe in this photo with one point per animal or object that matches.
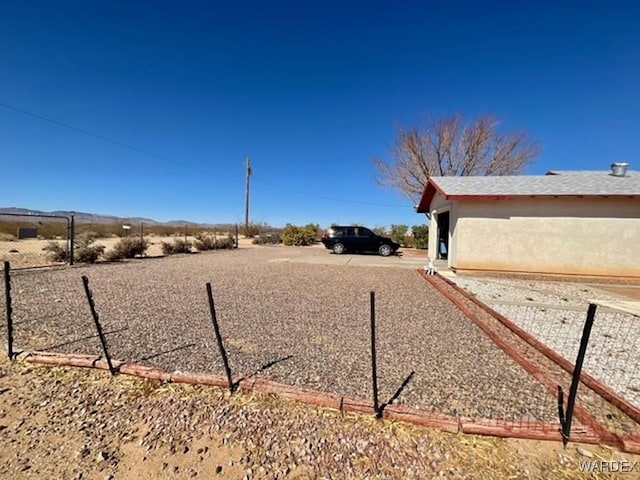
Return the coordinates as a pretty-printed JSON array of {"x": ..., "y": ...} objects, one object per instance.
[{"x": 619, "y": 169}]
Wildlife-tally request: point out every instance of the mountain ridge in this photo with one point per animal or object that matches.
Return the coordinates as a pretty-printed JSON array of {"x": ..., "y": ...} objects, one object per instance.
[{"x": 86, "y": 217}]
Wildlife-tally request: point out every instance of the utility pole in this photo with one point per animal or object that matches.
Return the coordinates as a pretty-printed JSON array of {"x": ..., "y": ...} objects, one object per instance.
[{"x": 246, "y": 205}]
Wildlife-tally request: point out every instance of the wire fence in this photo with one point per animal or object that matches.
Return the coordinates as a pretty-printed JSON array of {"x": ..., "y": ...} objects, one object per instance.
[
  {"x": 610, "y": 363},
  {"x": 29, "y": 241},
  {"x": 275, "y": 331},
  {"x": 25, "y": 240}
]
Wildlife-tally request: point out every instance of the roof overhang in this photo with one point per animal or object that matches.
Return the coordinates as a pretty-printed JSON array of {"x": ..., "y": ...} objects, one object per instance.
[
  {"x": 429, "y": 192},
  {"x": 432, "y": 189}
]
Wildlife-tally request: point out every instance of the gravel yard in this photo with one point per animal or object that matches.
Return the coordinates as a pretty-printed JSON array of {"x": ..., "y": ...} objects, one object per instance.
[
  {"x": 555, "y": 312},
  {"x": 295, "y": 323}
]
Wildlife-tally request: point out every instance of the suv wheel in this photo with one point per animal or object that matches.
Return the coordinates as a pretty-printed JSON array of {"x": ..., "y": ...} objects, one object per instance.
[
  {"x": 338, "y": 249},
  {"x": 385, "y": 250}
]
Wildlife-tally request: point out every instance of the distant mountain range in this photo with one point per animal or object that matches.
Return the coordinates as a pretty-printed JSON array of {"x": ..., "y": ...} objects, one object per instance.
[{"x": 83, "y": 217}]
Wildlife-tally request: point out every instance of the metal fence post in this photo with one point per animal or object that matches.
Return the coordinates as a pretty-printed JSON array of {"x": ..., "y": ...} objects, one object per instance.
[
  {"x": 96, "y": 319},
  {"x": 216, "y": 329},
  {"x": 575, "y": 382},
  {"x": 374, "y": 367},
  {"x": 72, "y": 237},
  {"x": 7, "y": 289}
]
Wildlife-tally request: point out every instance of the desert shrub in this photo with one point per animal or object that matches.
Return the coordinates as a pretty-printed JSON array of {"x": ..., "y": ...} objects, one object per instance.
[
  {"x": 421, "y": 235},
  {"x": 128, "y": 247},
  {"x": 225, "y": 243},
  {"x": 209, "y": 241},
  {"x": 57, "y": 252},
  {"x": 85, "y": 251},
  {"x": 88, "y": 254},
  {"x": 408, "y": 241},
  {"x": 315, "y": 230},
  {"x": 300, "y": 236},
  {"x": 267, "y": 239},
  {"x": 179, "y": 245},
  {"x": 255, "y": 229},
  {"x": 7, "y": 237},
  {"x": 398, "y": 232},
  {"x": 382, "y": 231},
  {"x": 250, "y": 230},
  {"x": 205, "y": 241}
]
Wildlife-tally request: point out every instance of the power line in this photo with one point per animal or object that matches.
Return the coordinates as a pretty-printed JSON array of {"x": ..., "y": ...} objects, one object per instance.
[
  {"x": 323, "y": 197},
  {"x": 91, "y": 134},
  {"x": 181, "y": 164}
]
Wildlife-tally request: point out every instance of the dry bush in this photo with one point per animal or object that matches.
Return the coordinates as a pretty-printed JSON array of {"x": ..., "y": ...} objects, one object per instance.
[
  {"x": 57, "y": 252},
  {"x": 128, "y": 247},
  {"x": 179, "y": 245}
]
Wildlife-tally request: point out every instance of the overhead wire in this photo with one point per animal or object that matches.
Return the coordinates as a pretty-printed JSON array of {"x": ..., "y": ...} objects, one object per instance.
[{"x": 182, "y": 164}]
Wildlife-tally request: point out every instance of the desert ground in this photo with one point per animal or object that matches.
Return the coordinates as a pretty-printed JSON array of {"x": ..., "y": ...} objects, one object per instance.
[
  {"x": 275, "y": 303},
  {"x": 82, "y": 424}
]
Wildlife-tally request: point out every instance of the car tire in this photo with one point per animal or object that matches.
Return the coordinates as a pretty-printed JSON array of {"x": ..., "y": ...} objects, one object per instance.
[
  {"x": 385, "y": 250},
  {"x": 338, "y": 248}
]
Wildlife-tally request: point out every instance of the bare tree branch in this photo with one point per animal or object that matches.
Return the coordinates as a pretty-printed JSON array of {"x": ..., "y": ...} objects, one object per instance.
[{"x": 449, "y": 147}]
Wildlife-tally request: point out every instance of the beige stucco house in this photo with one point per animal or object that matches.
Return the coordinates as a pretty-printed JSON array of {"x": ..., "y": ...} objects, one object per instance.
[{"x": 568, "y": 223}]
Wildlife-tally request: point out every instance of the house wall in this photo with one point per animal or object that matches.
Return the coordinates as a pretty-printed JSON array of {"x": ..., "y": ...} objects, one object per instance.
[{"x": 582, "y": 236}]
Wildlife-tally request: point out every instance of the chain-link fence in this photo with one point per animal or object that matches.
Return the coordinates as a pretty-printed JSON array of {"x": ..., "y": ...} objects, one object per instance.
[
  {"x": 29, "y": 241},
  {"x": 598, "y": 345},
  {"x": 34, "y": 240}
]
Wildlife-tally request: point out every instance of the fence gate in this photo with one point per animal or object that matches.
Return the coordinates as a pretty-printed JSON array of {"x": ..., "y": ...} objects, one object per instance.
[{"x": 28, "y": 241}]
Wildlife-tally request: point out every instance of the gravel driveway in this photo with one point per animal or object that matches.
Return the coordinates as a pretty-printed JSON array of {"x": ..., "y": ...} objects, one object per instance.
[{"x": 304, "y": 324}]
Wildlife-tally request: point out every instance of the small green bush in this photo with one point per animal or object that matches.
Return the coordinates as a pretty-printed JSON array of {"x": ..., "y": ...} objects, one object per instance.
[
  {"x": 398, "y": 233},
  {"x": 128, "y": 247},
  {"x": 57, "y": 252},
  {"x": 421, "y": 235},
  {"x": 179, "y": 245},
  {"x": 300, "y": 236}
]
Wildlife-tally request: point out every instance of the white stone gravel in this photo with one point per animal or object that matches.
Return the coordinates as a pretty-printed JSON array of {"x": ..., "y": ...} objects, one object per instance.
[
  {"x": 297, "y": 323},
  {"x": 555, "y": 313}
]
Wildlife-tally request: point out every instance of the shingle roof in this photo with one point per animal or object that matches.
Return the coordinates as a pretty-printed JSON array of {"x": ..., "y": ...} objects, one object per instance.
[
  {"x": 586, "y": 172},
  {"x": 576, "y": 184}
]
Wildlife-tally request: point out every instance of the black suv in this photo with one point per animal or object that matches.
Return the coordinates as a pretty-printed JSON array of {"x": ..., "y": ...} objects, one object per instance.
[{"x": 357, "y": 239}]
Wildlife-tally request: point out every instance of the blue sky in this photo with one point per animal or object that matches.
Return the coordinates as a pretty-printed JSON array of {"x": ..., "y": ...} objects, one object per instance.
[{"x": 311, "y": 91}]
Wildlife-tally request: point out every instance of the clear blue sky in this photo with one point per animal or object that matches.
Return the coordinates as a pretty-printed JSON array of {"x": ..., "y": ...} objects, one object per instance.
[{"x": 311, "y": 91}]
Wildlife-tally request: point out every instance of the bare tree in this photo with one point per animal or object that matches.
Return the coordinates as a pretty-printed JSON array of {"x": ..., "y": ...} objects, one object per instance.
[{"x": 449, "y": 147}]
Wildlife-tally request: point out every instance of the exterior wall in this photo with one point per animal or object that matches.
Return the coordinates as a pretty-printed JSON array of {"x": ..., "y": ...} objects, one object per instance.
[{"x": 581, "y": 236}]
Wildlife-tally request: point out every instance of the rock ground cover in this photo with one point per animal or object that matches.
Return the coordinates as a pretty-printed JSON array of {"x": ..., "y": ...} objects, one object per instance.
[{"x": 289, "y": 322}]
